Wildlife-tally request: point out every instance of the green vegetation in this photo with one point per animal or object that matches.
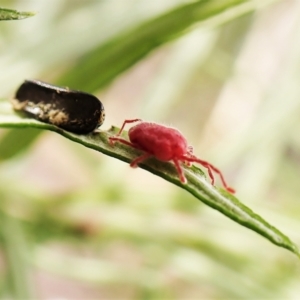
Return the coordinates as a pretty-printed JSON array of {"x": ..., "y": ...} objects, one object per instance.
[{"x": 215, "y": 69}]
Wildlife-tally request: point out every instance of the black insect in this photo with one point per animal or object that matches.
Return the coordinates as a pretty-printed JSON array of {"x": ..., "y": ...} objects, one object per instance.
[{"x": 71, "y": 110}]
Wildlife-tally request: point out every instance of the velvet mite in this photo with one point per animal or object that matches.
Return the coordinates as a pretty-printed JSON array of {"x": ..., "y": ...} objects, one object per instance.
[
  {"x": 165, "y": 144},
  {"x": 72, "y": 110}
]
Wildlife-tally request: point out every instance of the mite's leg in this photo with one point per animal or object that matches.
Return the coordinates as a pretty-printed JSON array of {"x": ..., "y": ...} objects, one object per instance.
[
  {"x": 179, "y": 170},
  {"x": 209, "y": 168},
  {"x": 127, "y": 122},
  {"x": 229, "y": 189},
  {"x": 139, "y": 159},
  {"x": 113, "y": 139}
]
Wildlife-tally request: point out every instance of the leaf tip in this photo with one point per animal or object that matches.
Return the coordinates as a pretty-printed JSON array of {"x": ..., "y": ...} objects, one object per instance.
[{"x": 10, "y": 14}]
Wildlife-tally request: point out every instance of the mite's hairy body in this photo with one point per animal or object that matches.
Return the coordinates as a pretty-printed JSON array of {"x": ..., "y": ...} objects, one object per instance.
[{"x": 165, "y": 144}]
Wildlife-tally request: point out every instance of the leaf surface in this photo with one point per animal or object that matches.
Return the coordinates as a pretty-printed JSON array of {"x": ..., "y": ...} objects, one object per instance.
[{"x": 197, "y": 185}]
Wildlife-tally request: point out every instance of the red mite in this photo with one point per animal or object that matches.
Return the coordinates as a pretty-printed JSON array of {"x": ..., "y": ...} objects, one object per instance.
[{"x": 165, "y": 144}]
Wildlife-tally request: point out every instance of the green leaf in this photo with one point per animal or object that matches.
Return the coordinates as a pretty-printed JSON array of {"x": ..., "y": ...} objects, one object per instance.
[
  {"x": 12, "y": 142},
  {"x": 197, "y": 185},
  {"x": 118, "y": 54},
  {"x": 15, "y": 248},
  {"x": 110, "y": 59},
  {"x": 10, "y": 14}
]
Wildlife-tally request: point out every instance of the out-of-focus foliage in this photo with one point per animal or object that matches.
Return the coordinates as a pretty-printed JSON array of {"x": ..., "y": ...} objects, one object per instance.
[{"x": 78, "y": 225}]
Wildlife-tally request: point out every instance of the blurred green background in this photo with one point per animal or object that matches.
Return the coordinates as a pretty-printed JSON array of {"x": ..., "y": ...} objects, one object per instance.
[{"x": 75, "y": 224}]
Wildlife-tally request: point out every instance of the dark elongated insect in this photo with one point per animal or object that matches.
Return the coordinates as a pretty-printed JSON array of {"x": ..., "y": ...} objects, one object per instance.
[{"x": 71, "y": 110}]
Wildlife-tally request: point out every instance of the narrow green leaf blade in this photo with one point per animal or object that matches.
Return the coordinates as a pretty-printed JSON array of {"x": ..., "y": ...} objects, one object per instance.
[
  {"x": 12, "y": 142},
  {"x": 197, "y": 185},
  {"x": 10, "y": 14},
  {"x": 112, "y": 58},
  {"x": 15, "y": 248}
]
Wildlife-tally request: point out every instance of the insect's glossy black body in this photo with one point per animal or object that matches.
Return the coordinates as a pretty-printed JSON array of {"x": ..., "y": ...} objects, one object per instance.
[{"x": 71, "y": 110}]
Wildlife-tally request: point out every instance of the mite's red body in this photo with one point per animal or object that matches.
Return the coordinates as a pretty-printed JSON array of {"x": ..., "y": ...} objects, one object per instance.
[{"x": 164, "y": 143}]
